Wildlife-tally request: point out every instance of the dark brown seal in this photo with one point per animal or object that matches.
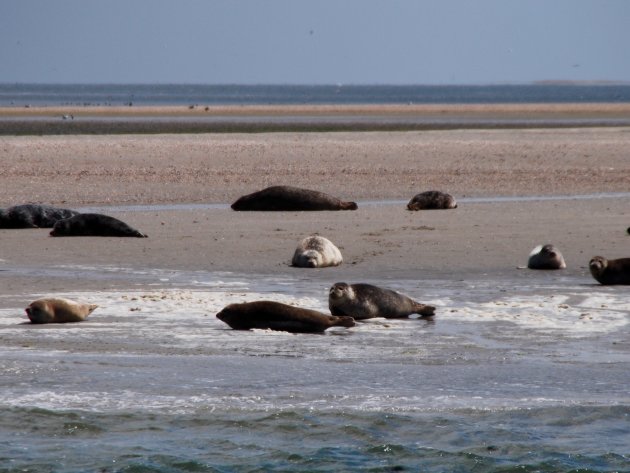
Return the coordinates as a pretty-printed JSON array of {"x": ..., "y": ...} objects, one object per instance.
[
  {"x": 58, "y": 310},
  {"x": 33, "y": 216},
  {"x": 278, "y": 316},
  {"x": 610, "y": 271},
  {"x": 364, "y": 301},
  {"x": 94, "y": 225},
  {"x": 289, "y": 198},
  {"x": 430, "y": 200},
  {"x": 546, "y": 257}
]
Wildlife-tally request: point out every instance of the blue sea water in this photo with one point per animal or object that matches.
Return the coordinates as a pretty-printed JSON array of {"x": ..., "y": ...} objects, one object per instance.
[
  {"x": 178, "y": 94},
  {"x": 524, "y": 373}
]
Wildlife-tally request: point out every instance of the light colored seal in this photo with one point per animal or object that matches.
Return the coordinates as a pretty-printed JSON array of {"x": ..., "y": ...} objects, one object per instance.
[
  {"x": 431, "y": 200},
  {"x": 58, "y": 310},
  {"x": 94, "y": 225},
  {"x": 290, "y": 198},
  {"x": 364, "y": 301},
  {"x": 316, "y": 252},
  {"x": 610, "y": 271},
  {"x": 546, "y": 257},
  {"x": 33, "y": 216},
  {"x": 277, "y": 316}
]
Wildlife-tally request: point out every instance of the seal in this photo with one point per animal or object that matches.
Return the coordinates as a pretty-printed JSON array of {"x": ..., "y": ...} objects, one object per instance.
[
  {"x": 33, "y": 216},
  {"x": 316, "y": 252},
  {"x": 287, "y": 198},
  {"x": 610, "y": 271},
  {"x": 94, "y": 225},
  {"x": 58, "y": 310},
  {"x": 277, "y": 316},
  {"x": 546, "y": 257},
  {"x": 430, "y": 200},
  {"x": 364, "y": 301}
]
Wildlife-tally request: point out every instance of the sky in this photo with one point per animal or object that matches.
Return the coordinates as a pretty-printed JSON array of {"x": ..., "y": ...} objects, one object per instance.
[{"x": 314, "y": 41}]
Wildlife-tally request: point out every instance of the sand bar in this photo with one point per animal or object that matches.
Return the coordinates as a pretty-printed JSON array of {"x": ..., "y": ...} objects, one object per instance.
[{"x": 381, "y": 240}]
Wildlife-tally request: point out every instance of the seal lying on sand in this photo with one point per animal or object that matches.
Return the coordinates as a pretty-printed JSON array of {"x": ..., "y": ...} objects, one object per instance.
[
  {"x": 58, "y": 310},
  {"x": 290, "y": 198},
  {"x": 316, "y": 252},
  {"x": 33, "y": 216},
  {"x": 94, "y": 225},
  {"x": 432, "y": 200},
  {"x": 546, "y": 257},
  {"x": 278, "y": 316},
  {"x": 610, "y": 271},
  {"x": 364, "y": 301}
]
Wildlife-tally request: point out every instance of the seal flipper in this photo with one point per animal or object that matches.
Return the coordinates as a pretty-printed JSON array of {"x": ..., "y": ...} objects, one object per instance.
[{"x": 343, "y": 321}]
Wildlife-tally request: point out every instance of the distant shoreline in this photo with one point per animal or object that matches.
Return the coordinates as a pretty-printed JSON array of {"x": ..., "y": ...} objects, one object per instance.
[{"x": 68, "y": 120}]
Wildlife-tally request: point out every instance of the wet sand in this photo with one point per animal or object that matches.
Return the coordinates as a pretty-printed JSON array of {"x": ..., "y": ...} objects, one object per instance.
[{"x": 380, "y": 240}]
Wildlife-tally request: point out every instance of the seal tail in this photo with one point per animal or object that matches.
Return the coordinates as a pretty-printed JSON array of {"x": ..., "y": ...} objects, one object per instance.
[
  {"x": 349, "y": 206},
  {"x": 424, "y": 310},
  {"x": 343, "y": 321}
]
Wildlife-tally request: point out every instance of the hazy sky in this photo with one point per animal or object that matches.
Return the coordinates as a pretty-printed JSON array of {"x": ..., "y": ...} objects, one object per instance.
[{"x": 314, "y": 41}]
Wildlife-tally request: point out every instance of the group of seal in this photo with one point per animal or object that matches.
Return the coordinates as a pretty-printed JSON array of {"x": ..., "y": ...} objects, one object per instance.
[
  {"x": 347, "y": 303},
  {"x": 289, "y": 198},
  {"x": 604, "y": 271},
  {"x": 65, "y": 222}
]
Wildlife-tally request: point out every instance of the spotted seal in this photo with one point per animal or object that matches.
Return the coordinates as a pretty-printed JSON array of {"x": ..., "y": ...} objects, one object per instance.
[
  {"x": 365, "y": 301},
  {"x": 432, "y": 200},
  {"x": 277, "y": 316},
  {"x": 58, "y": 310},
  {"x": 94, "y": 225},
  {"x": 33, "y": 216},
  {"x": 288, "y": 198},
  {"x": 546, "y": 257},
  {"x": 610, "y": 271},
  {"x": 316, "y": 252}
]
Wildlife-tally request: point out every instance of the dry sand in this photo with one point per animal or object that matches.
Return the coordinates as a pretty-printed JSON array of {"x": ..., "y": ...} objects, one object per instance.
[{"x": 381, "y": 241}]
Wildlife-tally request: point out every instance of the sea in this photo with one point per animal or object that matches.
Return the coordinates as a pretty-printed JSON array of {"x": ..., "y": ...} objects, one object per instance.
[
  {"x": 195, "y": 94},
  {"x": 520, "y": 372}
]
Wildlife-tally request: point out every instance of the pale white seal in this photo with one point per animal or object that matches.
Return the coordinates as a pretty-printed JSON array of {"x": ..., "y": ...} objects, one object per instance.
[{"x": 316, "y": 252}]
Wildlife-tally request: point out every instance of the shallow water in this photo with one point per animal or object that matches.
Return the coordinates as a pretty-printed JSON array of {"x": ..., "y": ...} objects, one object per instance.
[
  {"x": 523, "y": 374},
  {"x": 469, "y": 200}
]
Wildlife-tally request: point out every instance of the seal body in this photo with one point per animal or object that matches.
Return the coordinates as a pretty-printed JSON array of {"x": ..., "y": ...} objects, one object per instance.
[
  {"x": 94, "y": 225},
  {"x": 365, "y": 301},
  {"x": 58, "y": 310},
  {"x": 278, "y": 316},
  {"x": 546, "y": 257},
  {"x": 33, "y": 216},
  {"x": 290, "y": 199},
  {"x": 316, "y": 252},
  {"x": 610, "y": 271},
  {"x": 430, "y": 200}
]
